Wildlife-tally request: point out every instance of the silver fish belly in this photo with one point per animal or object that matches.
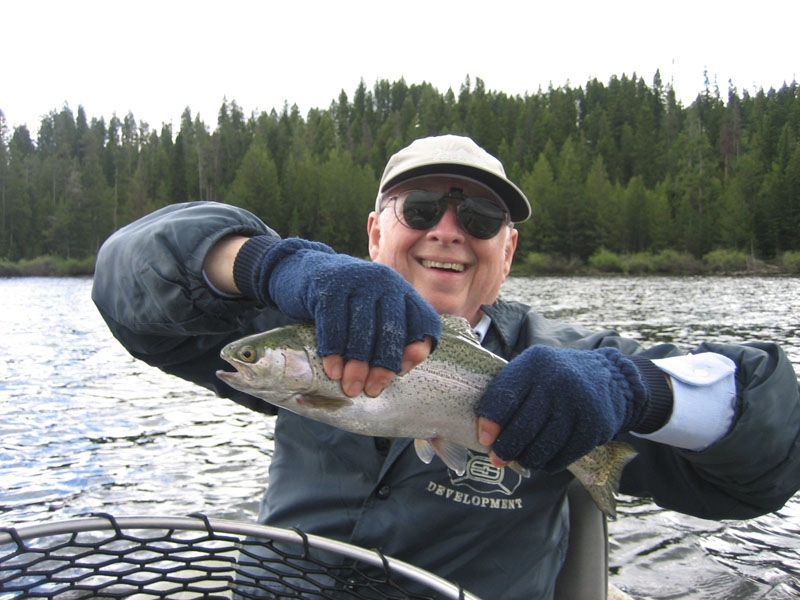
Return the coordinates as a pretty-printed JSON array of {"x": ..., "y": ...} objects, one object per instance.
[{"x": 434, "y": 403}]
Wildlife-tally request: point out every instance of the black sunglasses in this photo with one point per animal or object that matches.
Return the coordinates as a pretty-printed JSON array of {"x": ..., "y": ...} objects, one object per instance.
[{"x": 480, "y": 217}]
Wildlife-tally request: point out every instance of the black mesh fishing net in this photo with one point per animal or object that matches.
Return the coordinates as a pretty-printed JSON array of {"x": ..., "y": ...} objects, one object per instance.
[{"x": 144, "y": 558}]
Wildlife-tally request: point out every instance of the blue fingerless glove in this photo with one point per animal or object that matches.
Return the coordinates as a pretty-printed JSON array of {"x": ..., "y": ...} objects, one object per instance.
[
  {"x": 556, "y": 405},
  {"x": 362, "y": 310}
]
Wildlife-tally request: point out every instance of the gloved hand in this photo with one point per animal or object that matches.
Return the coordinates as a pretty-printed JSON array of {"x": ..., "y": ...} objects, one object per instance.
[
  {"x": 363, "y": 311},
  {"x": 555, "y": 405}
]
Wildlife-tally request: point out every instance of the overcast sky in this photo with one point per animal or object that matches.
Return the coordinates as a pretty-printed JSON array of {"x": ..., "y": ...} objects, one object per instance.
[{"x": 155, "y": 58}]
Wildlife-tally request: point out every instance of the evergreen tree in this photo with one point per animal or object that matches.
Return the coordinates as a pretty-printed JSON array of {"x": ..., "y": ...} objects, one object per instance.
[
  {"x": 786, "y": 190},
  {"x": 738, "y": 204},
  {"x": 540, "y": 233},
  {"x": 636, "y": 216},
  {"x": 660, "y": 224},
  {"x": 300, "y": 193},
  {"x": 178, "y": 191},
  {"x": 608, "y": 223},
  {"x": 21, "y": 239},
  {"x": 256, "y": 186},
  {"x": 4, "y": 175},
  {"x": 230, "y": 142},
  {"x": 481, "y": 119},
  {"x": 348, "y": 194},
  {"x": 575, "y": 211}
]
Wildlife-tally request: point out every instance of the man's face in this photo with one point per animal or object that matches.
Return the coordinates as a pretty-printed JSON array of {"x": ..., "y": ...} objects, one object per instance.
[{"x": 455, "y": 272}]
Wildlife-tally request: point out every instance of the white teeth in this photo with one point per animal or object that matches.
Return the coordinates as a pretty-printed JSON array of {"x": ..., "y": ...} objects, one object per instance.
[{"x": 443, "y": 265}]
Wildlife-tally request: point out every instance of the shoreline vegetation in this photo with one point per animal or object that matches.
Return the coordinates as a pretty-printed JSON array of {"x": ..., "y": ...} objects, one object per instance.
[
  {"x": 665, "y": 262},
  {"x": 602, "y": 262}
]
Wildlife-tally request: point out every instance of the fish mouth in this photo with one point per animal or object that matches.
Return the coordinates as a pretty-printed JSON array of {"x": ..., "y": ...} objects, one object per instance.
[
  {"x": 242, "y": 372},
  {"x": 453, "y": 267}
]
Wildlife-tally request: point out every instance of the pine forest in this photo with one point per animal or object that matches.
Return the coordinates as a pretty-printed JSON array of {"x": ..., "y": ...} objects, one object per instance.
[{"x": 618, "y": 166}]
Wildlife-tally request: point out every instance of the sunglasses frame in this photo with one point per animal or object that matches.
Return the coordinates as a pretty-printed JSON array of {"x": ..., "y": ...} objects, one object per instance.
[{"x": 468, "y": 215}]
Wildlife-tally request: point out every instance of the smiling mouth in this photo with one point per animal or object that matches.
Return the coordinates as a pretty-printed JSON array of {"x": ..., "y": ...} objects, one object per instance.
[{"x": 444, "y": 266}]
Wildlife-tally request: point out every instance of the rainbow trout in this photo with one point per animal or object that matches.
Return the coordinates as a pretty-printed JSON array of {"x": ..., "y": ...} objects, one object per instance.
[{"x": 434, "y": 403}]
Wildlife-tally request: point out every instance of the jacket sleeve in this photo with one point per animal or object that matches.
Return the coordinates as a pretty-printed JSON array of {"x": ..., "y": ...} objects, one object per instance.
[
  {"x": 752, "y": 470},
  {"x": 150, "y": 289}
]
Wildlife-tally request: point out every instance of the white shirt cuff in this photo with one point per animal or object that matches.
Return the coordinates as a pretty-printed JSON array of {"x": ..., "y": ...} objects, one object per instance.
[{"x": 704, "y": 400}]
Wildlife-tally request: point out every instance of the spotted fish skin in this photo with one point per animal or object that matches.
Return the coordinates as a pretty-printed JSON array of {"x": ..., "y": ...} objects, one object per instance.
[{"x": 434, "y": 403}]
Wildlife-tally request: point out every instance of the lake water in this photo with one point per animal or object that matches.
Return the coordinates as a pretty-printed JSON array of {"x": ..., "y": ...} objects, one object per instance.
[{"x": 86, "y": 428}]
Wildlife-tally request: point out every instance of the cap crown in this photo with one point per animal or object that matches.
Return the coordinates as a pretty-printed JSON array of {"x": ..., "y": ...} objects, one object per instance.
[{"x": 454, "y": 155}]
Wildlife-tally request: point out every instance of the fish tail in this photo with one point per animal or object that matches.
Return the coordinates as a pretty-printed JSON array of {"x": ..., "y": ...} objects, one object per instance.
[
  {"x": 603, "y": 496},
  {"x": 600, "y": 472}
]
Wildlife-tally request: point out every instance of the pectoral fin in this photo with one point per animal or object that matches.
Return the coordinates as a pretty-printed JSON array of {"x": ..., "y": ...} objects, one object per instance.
[
  {"x": 519, "y": 469},
  {"x": 453, "y": 455},
  {"x": 424, "y": 450}
]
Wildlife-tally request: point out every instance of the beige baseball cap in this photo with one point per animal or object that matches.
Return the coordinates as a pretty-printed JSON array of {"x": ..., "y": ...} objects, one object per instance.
[{"x": 454, "y": 155}]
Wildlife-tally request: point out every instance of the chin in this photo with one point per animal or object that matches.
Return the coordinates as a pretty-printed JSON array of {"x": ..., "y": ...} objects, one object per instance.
[
  {"x": 449, "y": 309},
  {"x": 446, "y": 302},
  {"x": 444, "y": 309}
]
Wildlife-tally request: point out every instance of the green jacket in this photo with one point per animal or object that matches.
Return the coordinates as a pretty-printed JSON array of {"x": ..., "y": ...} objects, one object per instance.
[{"x": 496, "y": 534}]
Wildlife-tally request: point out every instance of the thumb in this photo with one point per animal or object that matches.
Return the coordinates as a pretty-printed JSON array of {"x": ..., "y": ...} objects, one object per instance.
[{"x": 487, "y": 431}]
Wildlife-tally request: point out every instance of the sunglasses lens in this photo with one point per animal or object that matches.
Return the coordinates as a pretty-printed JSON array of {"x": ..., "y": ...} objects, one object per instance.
[
  {"x": 422, "y": 210},
  {"x": 480, "y": 217}
]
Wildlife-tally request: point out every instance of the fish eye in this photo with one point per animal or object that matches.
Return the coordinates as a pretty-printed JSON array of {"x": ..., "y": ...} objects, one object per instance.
[{"x": 248, "y": 354}]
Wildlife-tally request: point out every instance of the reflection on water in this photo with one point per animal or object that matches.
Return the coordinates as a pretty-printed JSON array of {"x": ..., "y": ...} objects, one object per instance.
[
  {"x": 682, "y": 310},
  {"x": 85, "y": 428}
]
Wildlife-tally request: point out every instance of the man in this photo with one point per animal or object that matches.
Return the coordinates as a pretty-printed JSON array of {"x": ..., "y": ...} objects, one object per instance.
[{"x": 716, "y": 431}]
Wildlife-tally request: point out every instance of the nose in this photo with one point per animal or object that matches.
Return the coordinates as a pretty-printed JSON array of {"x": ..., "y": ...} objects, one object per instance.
[{"x": 447, "y": 229}]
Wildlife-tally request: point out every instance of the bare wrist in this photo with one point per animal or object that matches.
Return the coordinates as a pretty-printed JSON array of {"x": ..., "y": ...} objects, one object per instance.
[{"x": 218, "y": 264}]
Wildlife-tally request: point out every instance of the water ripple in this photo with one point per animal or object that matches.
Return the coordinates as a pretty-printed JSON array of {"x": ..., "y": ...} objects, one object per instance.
[{"x": 86, "y": 428}]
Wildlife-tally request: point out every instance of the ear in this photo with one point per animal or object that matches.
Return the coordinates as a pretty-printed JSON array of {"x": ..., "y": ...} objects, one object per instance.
[
  {"x": 374, "y": 234},
  {"x": 510, "y": 248}
]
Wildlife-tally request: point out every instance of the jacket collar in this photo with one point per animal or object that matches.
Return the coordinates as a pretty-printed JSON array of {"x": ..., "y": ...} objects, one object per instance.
[{"x": 507, "y": 318}]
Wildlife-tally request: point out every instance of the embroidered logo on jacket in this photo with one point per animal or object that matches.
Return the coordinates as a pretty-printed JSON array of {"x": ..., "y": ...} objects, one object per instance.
[{"x": 482, "y": 485}]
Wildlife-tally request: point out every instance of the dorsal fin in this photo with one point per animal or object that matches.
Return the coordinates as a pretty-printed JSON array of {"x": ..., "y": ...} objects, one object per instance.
[{"x": 459, "y": 326}]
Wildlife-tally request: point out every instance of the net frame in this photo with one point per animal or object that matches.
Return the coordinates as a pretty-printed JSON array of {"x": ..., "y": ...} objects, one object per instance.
[{"x": 144, "y": 557}]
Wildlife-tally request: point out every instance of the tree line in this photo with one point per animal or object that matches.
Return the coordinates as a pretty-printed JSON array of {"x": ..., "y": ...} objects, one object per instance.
[{"x": 620, "y": 166}]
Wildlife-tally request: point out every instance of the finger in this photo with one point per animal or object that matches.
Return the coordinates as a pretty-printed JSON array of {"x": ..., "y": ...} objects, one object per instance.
[
  {"x": 415, "y": 353},
  {"x": 506, "y": 393},
  {"x": 496, "y": 460},
  {"x": 377, "y": 379},
  {"x": 354, "y": 374},
  {"x": 332, "y": 333},
  {"x": 487, "y": 431},
  {"x": 557, "y": 449},
  {"x": 544, "y": 450},
  {"x": 333, "y": 366},
  {"x": 390, "y": 335},
  {"x": 422, "y": 320},
  {"x": 363, "y": 327},
  {"x": 520, "y": 439}
]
